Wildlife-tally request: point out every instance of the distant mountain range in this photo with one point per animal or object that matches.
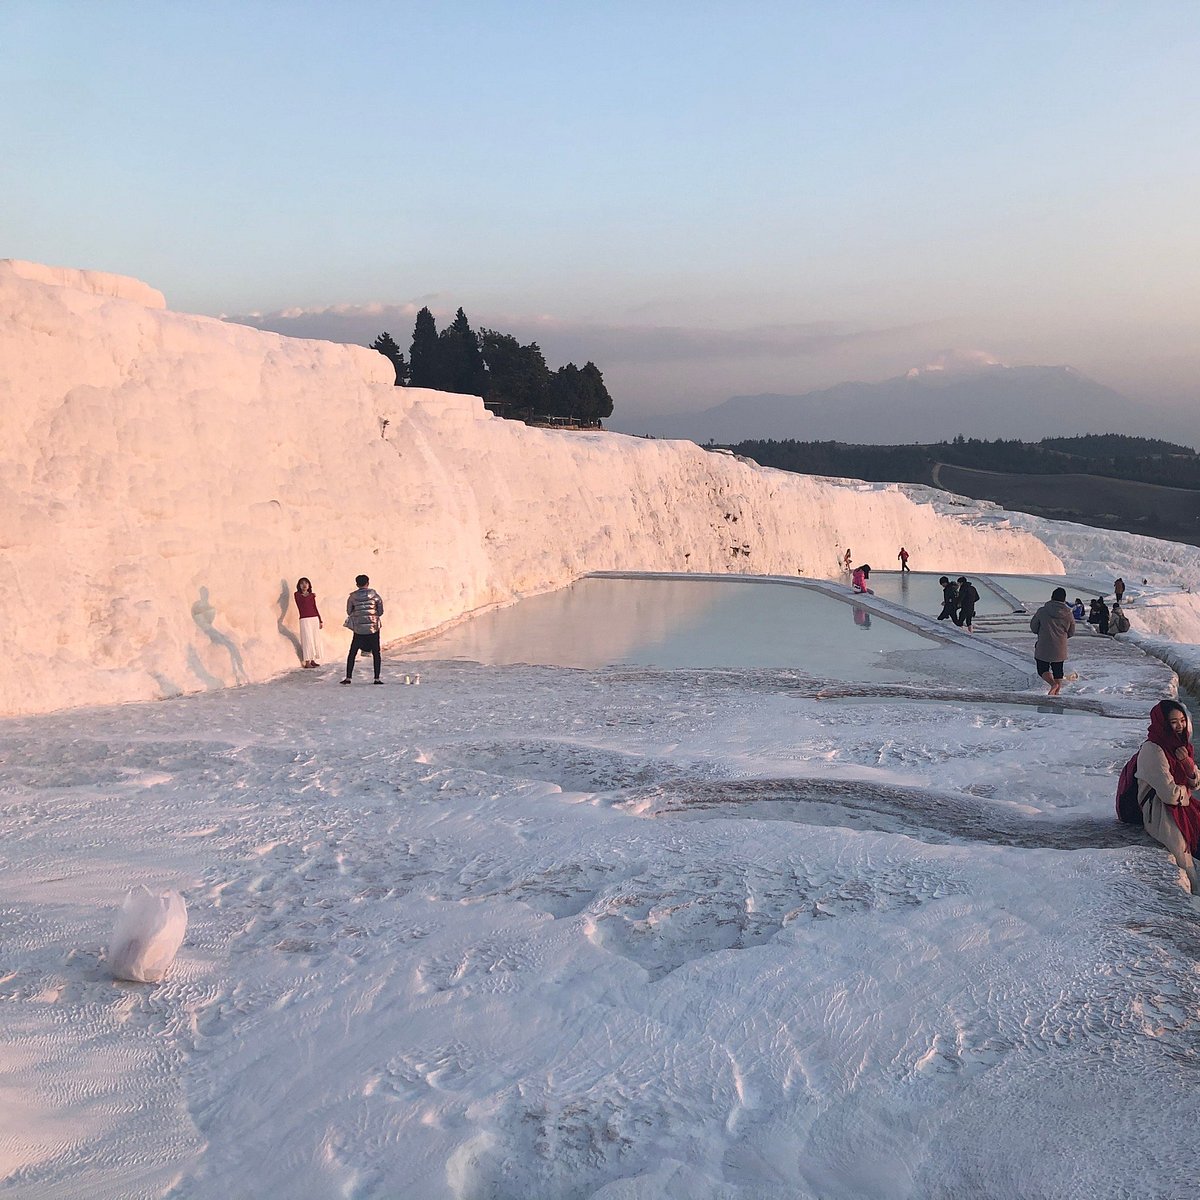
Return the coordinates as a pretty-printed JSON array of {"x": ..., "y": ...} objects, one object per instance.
[{"x": 926, "y": 405}]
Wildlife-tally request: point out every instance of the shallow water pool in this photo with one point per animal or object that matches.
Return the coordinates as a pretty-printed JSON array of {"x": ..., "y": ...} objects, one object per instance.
[
  {"x": 921, "y": 592},
  {"x": 689, "y": 623},
  {"x": 1034, "y": 590}
]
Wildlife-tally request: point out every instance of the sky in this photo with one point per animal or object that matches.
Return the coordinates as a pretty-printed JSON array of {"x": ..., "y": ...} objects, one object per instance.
[{"x": 705, "y": 199}]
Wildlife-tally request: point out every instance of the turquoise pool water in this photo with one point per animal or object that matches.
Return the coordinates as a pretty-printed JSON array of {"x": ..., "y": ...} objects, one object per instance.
[
  {"x": 688, "y": 623},
  {"x": 920, "y": 591}
]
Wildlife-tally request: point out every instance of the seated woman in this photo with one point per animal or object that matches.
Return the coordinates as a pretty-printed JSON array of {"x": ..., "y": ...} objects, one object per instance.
[
  {"x": 1167, "y": 777},
  {"x": 859, "y": 579}
]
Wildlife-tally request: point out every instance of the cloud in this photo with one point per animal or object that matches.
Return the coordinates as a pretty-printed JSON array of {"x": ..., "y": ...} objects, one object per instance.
[
  {"x": 685, "y": 344},
  {"x": 358, "y": 324},
  {"x": 562, "y": 340}
]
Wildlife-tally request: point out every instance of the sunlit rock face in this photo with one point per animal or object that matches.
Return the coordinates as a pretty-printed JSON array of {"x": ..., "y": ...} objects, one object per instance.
[{"x": 166, "y": 478}]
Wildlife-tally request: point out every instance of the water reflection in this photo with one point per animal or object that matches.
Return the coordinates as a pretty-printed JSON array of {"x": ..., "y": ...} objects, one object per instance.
[{"x": 679, "y": 623}]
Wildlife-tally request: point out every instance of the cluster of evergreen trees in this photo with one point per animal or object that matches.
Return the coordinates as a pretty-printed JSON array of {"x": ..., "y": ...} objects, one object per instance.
[
  {"x": 513, "y": 379},
  {"x": 1147, "y": 460}
]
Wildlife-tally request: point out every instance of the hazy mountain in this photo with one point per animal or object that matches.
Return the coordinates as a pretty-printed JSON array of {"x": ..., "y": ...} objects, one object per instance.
[{"x": 986, "y": 400}]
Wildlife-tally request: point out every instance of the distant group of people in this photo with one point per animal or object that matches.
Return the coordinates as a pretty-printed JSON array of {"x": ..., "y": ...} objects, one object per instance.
[
  {"x": 959, "y": 598},
  {"x": 1055, "y": 622},
  {"x": 1167, "y": 777},
  {"x": 848, "y": 558},
  {"x": 364, "y": 613},
  {"x": 1108, "y": 621}
]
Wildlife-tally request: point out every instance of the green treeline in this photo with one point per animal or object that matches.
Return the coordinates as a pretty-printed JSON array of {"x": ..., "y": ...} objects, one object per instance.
[
  {"x": 1146, "y": 460},
  {"x": 513, "y": 380}
]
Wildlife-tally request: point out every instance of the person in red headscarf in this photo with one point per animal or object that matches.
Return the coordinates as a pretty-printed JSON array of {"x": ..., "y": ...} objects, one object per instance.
[{"x": 1167, "y": 777}]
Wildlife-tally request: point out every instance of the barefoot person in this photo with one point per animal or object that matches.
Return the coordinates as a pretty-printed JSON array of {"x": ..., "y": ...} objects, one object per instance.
[
  {"x": 1053, "y": 623},
  {"x": 968, "y": 597},
  {"x": 310, "y": 622},
  {"x": 859, "y": 579},
  {"x": 364, "y": 608},
  {"x": 1167, "y": 780}
]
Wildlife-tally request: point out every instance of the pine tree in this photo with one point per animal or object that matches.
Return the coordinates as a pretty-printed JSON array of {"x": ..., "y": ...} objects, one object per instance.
[
  {"x": 580, "y": 394},
  {"x": 423, "y": 354},
  {"x": 460, "y": 365},
  {"x": 518, "y": 380},
  {"x": 565, "y": 392},
  {"x": 597, "y": 403},
  {"x": 386, "y": 345}
]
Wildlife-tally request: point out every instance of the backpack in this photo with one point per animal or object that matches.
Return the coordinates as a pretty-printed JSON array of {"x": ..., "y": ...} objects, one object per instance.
[{"x": 1128, "y": 808}]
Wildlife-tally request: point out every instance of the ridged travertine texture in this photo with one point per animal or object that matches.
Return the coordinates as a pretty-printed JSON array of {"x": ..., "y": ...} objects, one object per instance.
[{"x": 165, "y": 478}]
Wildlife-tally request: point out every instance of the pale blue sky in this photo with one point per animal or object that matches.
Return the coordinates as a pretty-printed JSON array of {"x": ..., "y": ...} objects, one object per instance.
[{"x": 833, "y": 190}]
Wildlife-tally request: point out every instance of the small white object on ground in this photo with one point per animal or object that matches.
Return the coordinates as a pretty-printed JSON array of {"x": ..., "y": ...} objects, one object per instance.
[{"x": 147, "y": 935}]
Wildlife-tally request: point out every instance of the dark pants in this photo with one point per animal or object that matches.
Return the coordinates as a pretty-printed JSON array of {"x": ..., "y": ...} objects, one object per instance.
[{"x": 363, "y": 641}]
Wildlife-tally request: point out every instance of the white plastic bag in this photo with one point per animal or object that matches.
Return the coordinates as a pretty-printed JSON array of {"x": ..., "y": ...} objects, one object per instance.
[{"x": 148, "y": 932}]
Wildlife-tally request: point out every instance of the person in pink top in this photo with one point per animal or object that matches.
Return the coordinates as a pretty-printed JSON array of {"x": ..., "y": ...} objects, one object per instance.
[
  {"x": 859, "y": 579},
  {"x": 310, "y": 623}
]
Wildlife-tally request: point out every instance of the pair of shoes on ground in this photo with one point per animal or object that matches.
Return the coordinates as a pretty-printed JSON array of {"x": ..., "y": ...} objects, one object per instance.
[
  {"x": 310, "y": 664},
  {"x": 349, "y": 680}
]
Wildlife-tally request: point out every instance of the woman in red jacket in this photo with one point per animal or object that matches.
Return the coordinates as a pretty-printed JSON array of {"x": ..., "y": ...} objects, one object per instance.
[
  {"x": 310, "y": 623},
  {"x": 1167, "y": 778}
]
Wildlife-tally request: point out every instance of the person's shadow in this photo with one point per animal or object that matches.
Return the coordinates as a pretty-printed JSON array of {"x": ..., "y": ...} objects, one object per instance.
[
  {"x": 285, "y": 599},
  {"x": 204, "y": 613}
]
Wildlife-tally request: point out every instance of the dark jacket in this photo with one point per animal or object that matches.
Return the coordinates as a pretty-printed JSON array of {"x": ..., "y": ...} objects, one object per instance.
[
  {"x": 1053, "y": 623},
  {"x": 949, "y": 601}
]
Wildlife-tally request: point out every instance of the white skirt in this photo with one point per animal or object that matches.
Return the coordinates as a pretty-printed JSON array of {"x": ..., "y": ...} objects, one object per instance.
[{"x": 310, "y": 639}]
